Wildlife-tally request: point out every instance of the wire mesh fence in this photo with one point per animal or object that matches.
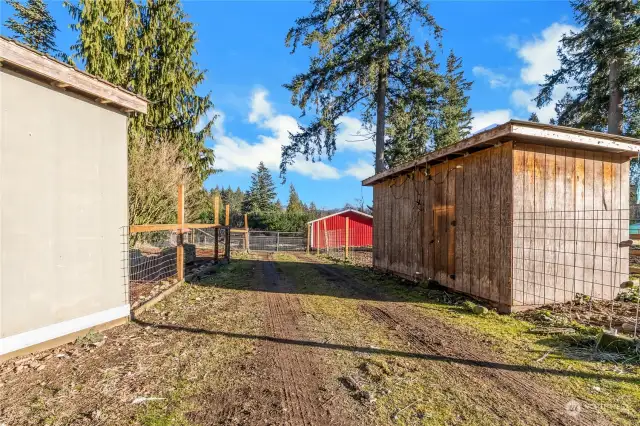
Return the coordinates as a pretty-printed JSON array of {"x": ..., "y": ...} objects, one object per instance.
[
  {"x": 272, "y": 241},
  {"x": 579, "y": 258},
  {"x": 354, "y": 247},
  {"x": 150, "y": 262}
]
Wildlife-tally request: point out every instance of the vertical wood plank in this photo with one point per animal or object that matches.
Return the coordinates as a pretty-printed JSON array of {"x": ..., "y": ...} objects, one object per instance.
[
  {"x": 579, "y": 268},
  {"x": 216, "y": 210},
  {"x": 506, "y": 225},
  {"x": 467, "y": 203},
  {"x": 624, "y": 222},
  {"x": 569, "y": 226},
  {"x": 451, "y": 217},
  {"x": 519, "y": 221},
  {"x": 485, "y": 230},
  {"x": 428, "y": 226},
  {"x": 607, "y": 224},
  {"x": 459, "y": 226},
  {"x": 598, "y": 205},
  {"x": 588, "y": 221},
  {"x": 551, "y": 240},
  {"x": 557, "y": 293},
  {"x": 495, "y": 246},
  {"x": 476, "y": 245},
  {"x": 539, "y": 223}
]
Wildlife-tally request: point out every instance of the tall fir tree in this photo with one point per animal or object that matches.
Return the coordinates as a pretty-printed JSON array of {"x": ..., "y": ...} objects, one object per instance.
[
  {"x": 149, "y": 48},
  {"x": 364, "y": 62},
  {"x": 534, "y": 118},
  {"x": 600, "y": 63},
  {"x": 454, "y": 121},
  {"x": 413, "y": 116},
  {"x": 260, "y": 196},
  {"x": 294, "y": 205},
  {"x": 33, "y": 25}
]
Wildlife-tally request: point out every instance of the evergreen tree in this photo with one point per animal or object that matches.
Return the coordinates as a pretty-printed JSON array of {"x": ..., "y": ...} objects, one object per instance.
[
  {"x": 365, "y": 61},
  {"x": 413, "y": 116},
  {"x": 454, "y": 122},
  {"x": 294, "y": 205},
  {"x": 261, "y": 194},
  {"x": 552, "y": 121},
  {"x": 534, "y": 118},
  {"x": 33, "y": 25},
  {"x": 601, "y": 61},
  {"x": 149, "y": 49}
]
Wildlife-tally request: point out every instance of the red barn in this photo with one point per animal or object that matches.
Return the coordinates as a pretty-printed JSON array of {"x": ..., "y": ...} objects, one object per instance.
[{"x": 330, "y": 231}]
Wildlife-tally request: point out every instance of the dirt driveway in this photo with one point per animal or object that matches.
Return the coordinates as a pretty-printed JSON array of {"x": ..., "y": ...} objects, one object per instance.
[{"x": 293, "y": 340}]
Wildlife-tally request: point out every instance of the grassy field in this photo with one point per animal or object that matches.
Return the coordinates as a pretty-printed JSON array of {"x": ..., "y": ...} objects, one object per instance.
[{"x": 294, "y": 339}]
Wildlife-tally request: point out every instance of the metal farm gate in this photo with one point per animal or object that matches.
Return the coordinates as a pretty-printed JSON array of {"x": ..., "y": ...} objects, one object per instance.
[{"x": 277, "y": 241}]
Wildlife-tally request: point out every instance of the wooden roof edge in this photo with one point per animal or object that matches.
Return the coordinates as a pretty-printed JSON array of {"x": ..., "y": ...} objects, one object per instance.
[
  {"x": 517, "y": 128},
  {"x": 64, "y": 75}
]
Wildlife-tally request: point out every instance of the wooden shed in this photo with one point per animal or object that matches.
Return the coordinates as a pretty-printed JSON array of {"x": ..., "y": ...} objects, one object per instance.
[
  {"x": 522, "y": 214},
  {"x": 63, "y": 199}
]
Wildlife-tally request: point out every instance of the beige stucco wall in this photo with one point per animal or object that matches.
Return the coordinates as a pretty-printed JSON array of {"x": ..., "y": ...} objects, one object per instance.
[{"x": 63, "y": 201}]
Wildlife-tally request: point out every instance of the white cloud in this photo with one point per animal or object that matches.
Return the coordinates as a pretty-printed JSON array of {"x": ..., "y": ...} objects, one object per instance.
[
  {"x": 353, "y": 136},
  {"x": 484, "y": 119},
  {"x": 234, "y": 153},
  {"x": 360, "y": 170},
  {"x": 495, "y": 79},
  {"x": 260, "y": 107},
  {"x": 540, "y": 54}
]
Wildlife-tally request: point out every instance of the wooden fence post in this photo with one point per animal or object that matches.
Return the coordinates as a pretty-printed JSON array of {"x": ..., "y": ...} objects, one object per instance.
[
  {"x": 318, "y": 238},
  {"x": 216, "y": 210},
  {"x": 346, "y": 238},
  {"x": 308, "y": 237},
  {"x": 246, "y": 232},
  {"x": 180, "y": 243},
  {"x": 226, "y": 215},
  {"x": 216, "y": 222}
]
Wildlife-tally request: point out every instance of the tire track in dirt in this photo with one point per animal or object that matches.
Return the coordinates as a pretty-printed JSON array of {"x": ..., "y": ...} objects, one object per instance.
[
  {"x": 509, "y": 395},
  {"x": 284, "y": 383}
]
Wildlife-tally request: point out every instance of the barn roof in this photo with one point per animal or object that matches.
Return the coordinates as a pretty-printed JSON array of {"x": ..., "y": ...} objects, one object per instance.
[
  {"x": 339, "y": 213},
  {"x": 27, "y": 61},
  {"x": 526, "y": 131}
]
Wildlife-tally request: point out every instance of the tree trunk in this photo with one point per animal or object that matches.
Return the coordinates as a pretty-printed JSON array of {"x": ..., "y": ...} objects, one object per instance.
[
  {"x": 381, "y": 92},
  {"x": 614, "y": 119},
  {"x": 614, "y": 123}
]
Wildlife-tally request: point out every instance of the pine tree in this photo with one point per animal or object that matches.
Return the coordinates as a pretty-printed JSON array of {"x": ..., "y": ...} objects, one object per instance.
[
  {"x": 260, "y": 196},
  {"x": 33, "y": 25},
  {"x": 294, "y": 205},
  {"x": 149, "y": 49},
  {"x": 365, "y": 56},
  {"x": 454, "y": 122},
  {"x": 534, "y": 118},
  {"x": 601, "y": 61}
]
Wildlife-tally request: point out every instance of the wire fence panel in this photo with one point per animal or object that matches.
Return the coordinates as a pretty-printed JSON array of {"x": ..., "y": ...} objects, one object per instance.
[
  {"x": 277, "y": 241},
  {"x": 558, "y": 254},
  {"x": 151, "y": 258},
  {"x": 339, "y": 246},
  {"x": 200, "y": 244}
]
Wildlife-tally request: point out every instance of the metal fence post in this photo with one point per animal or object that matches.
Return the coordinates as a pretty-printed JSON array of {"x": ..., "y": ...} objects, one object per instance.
[
  {"x": 180, "y": 243},
  {"x": 346, "y": 238},
  {"x": 277, "y": 241}
]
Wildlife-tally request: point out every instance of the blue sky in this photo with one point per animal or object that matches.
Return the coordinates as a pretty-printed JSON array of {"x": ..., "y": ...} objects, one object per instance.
[{"x": 506, "y": 47}]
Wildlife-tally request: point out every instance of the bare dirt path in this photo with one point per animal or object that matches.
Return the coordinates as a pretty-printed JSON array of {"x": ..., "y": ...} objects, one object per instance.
[
  {"x": 491, "y": 385},
  {"x": 290, "y": 340},
  {"x": 287, "y": 381}
]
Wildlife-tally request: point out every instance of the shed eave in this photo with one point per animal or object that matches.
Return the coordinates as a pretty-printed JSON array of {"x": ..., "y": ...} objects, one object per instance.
[
  {"x": 341, "y": 212},
  {"x": 23, "y": 59},
  {"x": 514, "y": 130}
]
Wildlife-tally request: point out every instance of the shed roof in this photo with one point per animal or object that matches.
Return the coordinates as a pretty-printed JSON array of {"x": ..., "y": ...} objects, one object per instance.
[
  {"x": 527, "y": 131},
  {"x": 339, "y": 213},
  {"x": 28, "y": 61}
]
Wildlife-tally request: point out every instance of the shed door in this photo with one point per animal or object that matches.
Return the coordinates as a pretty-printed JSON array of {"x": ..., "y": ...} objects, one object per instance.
[{"x": 444, "y": 232}]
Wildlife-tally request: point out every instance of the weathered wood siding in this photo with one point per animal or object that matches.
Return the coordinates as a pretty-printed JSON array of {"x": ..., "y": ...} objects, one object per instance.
[
  {"x": 452, "y": 225},
  {"x": 570, "y": 211}
]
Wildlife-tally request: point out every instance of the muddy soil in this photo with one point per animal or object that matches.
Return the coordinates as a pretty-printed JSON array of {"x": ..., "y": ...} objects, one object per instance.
[
  {"x": 508, "y": 391},
  {"x": 286, "y": 382}
]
